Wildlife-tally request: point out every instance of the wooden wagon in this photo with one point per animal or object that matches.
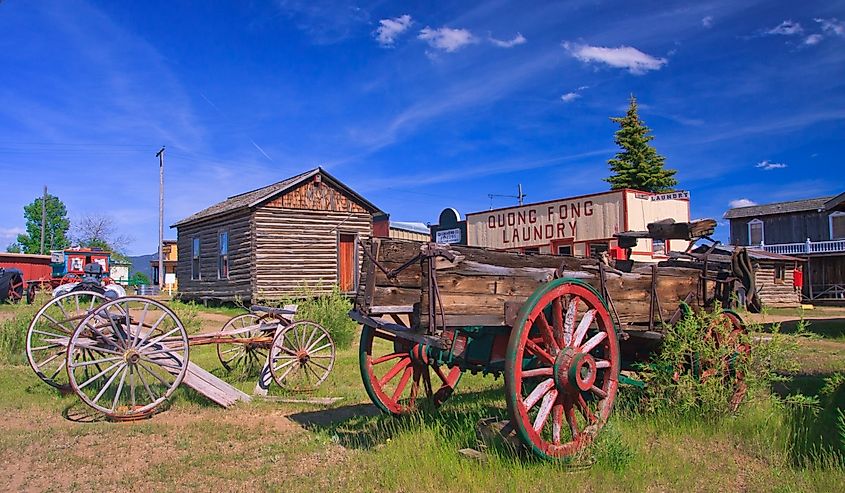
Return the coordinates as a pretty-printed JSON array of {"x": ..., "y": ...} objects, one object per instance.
[
  {"x": 125, "y": 357},
  {"x": 559, "y": 329}
]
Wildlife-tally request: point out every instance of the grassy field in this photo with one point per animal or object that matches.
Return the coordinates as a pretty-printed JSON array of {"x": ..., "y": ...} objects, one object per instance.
[{"x": 50, "y": 442}]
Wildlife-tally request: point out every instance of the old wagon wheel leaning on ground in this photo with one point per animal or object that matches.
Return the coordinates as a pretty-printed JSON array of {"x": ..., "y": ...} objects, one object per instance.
[
  {"x": 48, "y": 334},
  {"x": 398, "y": 375},
  {"x": 561, "y": 369},
  {"x": 301, "y": 356},
  {"x": 237, "y": 355},
  {"x": 132, "y": 355},
  {"x": 729, "y": 336}
]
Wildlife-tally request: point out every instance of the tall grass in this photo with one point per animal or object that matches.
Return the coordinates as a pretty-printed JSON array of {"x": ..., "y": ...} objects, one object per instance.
[
  {"x": 331, "y": 310},
  {"x": 13, "y": 334}
]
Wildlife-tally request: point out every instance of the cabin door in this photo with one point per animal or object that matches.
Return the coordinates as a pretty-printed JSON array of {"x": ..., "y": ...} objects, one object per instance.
[{"x": 346, "y": 262}]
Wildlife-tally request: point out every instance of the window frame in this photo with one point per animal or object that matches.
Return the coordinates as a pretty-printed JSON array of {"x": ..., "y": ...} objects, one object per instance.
[
  {"x": 570, "y": 246},
  {"x": 755, "y": 222},
  {"x": 589, "y": 248},
  {"x": 830, "y": 217},
  {"x": 221, "y": 256},
  {"x": 780, "y": 274},
  {"x": 196, "y": 258}
]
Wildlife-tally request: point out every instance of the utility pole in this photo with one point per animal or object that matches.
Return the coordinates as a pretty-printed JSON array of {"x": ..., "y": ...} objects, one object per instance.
[
  {"x": 43, "y": 217},
  {"x": 519, "y": 194},
  {"x": 160, "y": 156}
]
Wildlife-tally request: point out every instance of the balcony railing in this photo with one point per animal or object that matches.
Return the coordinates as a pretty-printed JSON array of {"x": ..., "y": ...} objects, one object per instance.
[{"x": 806, "y": 247}]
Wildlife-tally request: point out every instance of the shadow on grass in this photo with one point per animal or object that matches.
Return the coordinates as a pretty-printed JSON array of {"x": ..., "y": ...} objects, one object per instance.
[
  {"x": 363, "y": 426},
  {"x": 828, "y": 328}
]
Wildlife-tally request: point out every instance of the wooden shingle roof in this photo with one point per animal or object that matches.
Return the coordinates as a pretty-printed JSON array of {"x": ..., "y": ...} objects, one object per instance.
[
  {"x": 777, "y": 208},
  {"x": 255, "y": 197}
]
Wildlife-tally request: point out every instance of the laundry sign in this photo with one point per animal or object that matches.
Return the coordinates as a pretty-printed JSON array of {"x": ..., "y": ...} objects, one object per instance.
[{"x": 679, "y": 195}]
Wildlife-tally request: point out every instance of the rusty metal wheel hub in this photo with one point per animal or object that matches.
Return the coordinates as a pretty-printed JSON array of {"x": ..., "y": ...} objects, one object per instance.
[{"x": 132, "y": 356}]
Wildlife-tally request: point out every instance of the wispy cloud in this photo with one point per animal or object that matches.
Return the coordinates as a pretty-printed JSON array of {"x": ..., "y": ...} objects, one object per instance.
[
  {"x": 813, "y": 39},
  {"x": 832, "y": 26},
  {"x": 325, "y": 22},
  {"x": 785, "y": 28},
  {"x": 707, "y": 21},
  {"x": 767, "y": 165},
  {"x": 261, "y": 150},
  {"x": 390, "y": 29},
  {"x": 573, "y": 95},
  {"x": 446, "y": 38},
  {"x": 627, "y": 57},
  {"x": 517, "y": 40},
  {"x": 9, "y": 235},
  {"x": 741, "y": 203}
]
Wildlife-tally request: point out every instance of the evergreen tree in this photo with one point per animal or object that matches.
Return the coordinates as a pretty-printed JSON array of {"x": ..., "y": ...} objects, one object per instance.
[
  {"x": 638, "y": 165},
  {"x": 56, "y": 226}
]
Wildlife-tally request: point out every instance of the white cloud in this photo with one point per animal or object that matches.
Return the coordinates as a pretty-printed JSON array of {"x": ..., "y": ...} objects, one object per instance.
[
  {"x": 390, "y": 29},
  {"x": 832, "y": 26},
  {"x": 741, "y": 203},
  {"x": 517, "y": 40},
  {"x": 9, "y": 235},
  {"x": 786, "y": 28},
  {"x": 627, "y": 57},
  {"x": 768, "y": 166},
  {"x": 445, "y": 38},
  {"x": 707, "y": 22},
  {"x": 569, "y": 97},
  {"x": 813, "y": 39}
]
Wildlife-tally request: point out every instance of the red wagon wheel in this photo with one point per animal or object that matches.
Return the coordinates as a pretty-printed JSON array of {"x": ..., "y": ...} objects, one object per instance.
[
  {"x": 397, "y": 374},
  {"x": 729, "y": 333},
  {"x": 16, "y": 289},
  {"x": 562, "y": 368}
]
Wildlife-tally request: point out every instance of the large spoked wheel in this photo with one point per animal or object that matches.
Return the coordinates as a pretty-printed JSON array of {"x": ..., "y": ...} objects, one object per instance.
[
  {"x": 239, "y": 354},
  {"x": 561, "y": 369},
  {"x": 302, "y": 356},
  {"x": 730, "y": 337},
  {"x": 16, "y": 289},
  {"x": 50, "y": 330},
  {"x": 397, "y": 374},
  {"x": 127, "y": 357}
]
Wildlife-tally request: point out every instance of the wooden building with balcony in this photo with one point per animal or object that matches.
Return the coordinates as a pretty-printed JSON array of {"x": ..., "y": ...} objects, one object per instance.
[
  {"x": 296, "y": 236},
  {"x": 810, "y": 229}
]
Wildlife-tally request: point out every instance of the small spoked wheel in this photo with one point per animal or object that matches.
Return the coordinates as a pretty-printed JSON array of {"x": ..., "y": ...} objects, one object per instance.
[
  {"x": 16, "y": 289},
  {"x": 730, "y": 338},
  {"x": 562, "y": 369},
  {"x": 398, "y": 375},
  {"x": 127, "y": 357},
  {"x": 239, "y": 354},
  {"x": 301, "y": 356},
  {"x": 50, "y": 330}
]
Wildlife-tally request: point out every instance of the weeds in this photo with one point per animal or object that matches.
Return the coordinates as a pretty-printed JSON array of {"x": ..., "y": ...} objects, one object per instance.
[{"x": 13, "y": 335}]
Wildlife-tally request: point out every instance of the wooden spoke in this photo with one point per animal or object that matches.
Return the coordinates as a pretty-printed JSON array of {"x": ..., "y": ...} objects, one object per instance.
[
  {"x": 593, "y": 342},
  {"x": 302, "y": 343},
  {"x": 557, "y": 322},
  {"x": 134, "y": 354},
  {"x": 546, "y": 332},
  {"x": 581, "y": 331},
  {"x": 543, "y": 387},
  {"x": 545, "y": 410},
  {"x": 404, "y": 383}
]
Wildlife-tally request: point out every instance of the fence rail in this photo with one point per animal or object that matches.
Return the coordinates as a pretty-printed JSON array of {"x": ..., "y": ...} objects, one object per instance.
[{"x": 806, "y": 247}]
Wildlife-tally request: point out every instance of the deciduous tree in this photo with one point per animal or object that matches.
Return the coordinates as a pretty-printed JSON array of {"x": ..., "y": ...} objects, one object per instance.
[{"x": 55, "y": 230}]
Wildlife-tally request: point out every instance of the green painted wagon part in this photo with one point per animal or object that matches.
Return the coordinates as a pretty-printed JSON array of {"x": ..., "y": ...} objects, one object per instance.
[{"x": 559, "y": 329}]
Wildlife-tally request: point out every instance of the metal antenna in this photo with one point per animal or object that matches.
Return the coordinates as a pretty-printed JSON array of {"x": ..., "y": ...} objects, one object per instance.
[{"x": 519, "y": 196}]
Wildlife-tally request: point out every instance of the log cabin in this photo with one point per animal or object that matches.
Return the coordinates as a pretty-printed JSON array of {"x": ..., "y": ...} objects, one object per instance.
[{"x": 295, "y": 237}]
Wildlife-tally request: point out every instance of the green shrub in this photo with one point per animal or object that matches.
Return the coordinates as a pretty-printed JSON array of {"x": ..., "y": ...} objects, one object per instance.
[
  {"x": 696, "y": 374},
  {"x": 332, "y": 312},
  {"x": 13, "y": 335}
]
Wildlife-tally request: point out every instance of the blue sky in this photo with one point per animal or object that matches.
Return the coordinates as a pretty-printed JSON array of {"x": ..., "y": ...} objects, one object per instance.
[{"x": 416, "y": 105}]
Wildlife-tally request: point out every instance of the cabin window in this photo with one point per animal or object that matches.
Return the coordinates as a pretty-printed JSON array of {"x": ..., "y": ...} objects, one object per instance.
[
  {"x": 658, "y": 247},
  {"x": 837, "y": 225},
  {"x": 597, "y": 248},
  {"x": 564, "y": 250},
  {"x": 223, "y": 255},
  {"x": 195, "y": 258},
  {"x": 780, "y": 274},
  {"x": 755, "y": 232}
]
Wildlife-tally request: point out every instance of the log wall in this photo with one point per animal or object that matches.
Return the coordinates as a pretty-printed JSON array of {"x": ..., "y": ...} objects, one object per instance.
[
  {"x": 775, "y": 293},
  {"x": 297, "y": 249},
  {"x": 239, "y": 283}
]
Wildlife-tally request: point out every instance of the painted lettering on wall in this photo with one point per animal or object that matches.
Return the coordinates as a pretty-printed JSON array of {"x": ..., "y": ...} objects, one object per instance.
[{"x": 540, "y": 223}]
